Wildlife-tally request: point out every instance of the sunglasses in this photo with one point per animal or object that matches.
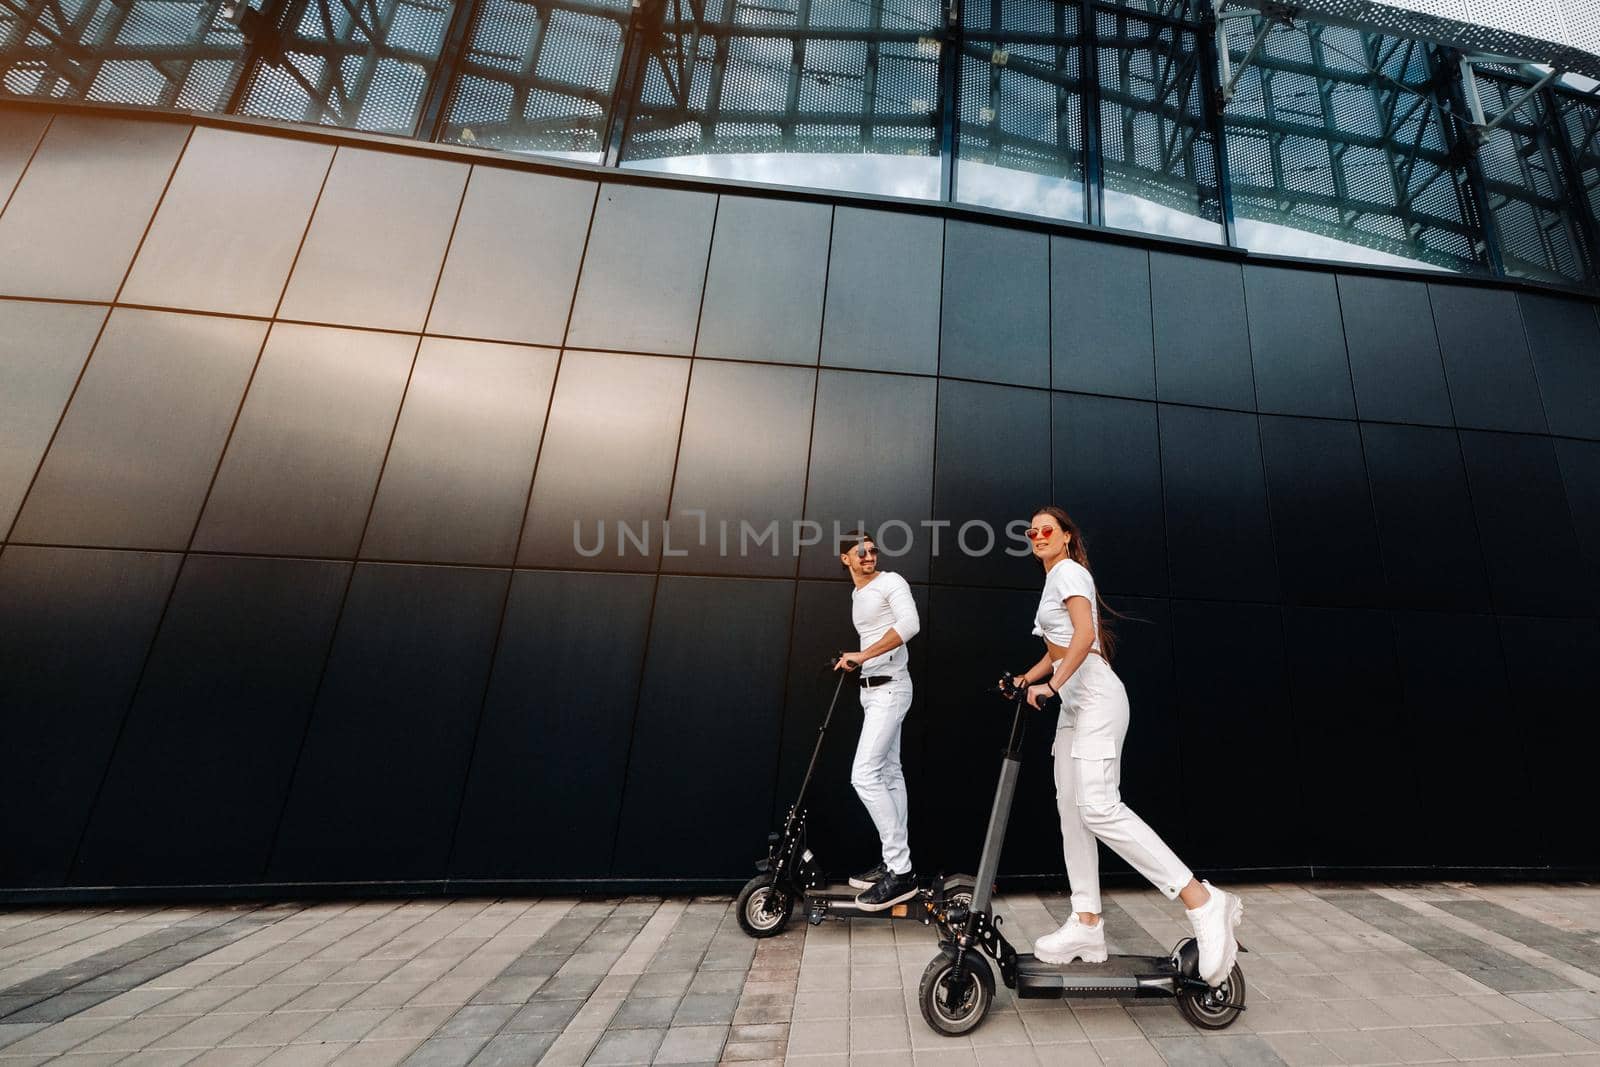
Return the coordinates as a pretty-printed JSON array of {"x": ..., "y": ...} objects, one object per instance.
[
  {"x": 864, "y": 551},
  {"x": 1041, "y": 533}
]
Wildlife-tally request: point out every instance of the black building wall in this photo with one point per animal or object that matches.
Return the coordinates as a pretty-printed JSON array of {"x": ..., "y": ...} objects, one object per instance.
[{"x": 293, "y": 432}]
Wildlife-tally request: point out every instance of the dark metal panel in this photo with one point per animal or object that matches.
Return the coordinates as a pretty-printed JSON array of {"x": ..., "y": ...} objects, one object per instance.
[
  {"x": 992, "y": 467},
  {"x": 1151, "y": 753},
  {"x": 1345, "y": 687},
  {"x": 705, "y": 742},
  {"x": 374, "y": 260},
  {"x": 1107, "y": 474},
  {"x": 1216, "y": 496},
  {"x": 1100, "y": 326},
  {"x": 547, "y": 774},
  {"x": 1580, "y": 471},
  {"x": 20, "y": 132},
  {"x": 130, "y": 465},
  {"x": 1297, "y": 343},
  {"x": 1394, "y": 354},
  {"x": 1322, "y": 521},
  {"x": 871, "y": 464},
  {"x": 194, "y": 792},
  {"x": 883, "y": 292},
  {"x": 75, "y": 626},
  {"x": 971, "y": 636},
  {"x": 996, "y": 319},
  {"x": 42, "y": 349},
  {"x": 1486, "y": 359},
  {"x": 1235, "y": 713},
  {"x": 1425, "y": 524},
  {"x": 1522, "y": 514},
  {"x": 300, "y": 470},
  {"x": 644, "y": 271},
  {"x": 742, "y": 460},
  {"x": 230, "y": 224},
  {"x": 514, "y": 259},
  {"x": 378, "y": 785},
  {"x": 619, "y": 414},
  {"x": 1471, "y": 759},
  {"x": 456, "y": 480},
  {"x": 769, "y": 261},
  {"x": 1564, "y": 339},
  {"x": 1202, "y": 337},
  {"x": 1554, "y": 671},
  {"x": 79, "y": 211}
]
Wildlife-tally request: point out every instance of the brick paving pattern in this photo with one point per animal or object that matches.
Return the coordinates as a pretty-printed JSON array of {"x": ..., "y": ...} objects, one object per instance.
[{"x": 1337, "y": 973}]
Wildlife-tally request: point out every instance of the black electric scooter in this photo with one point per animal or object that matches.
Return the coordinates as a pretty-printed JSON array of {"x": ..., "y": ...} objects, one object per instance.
[
  {"x": 790, "y": 874},
  {"x": 958, "y": 985}
]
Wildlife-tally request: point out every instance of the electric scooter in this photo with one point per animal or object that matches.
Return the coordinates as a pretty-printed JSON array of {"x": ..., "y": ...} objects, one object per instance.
[
  {"x": 958, "y": 985},
  {"x": 790, "y": 874}
]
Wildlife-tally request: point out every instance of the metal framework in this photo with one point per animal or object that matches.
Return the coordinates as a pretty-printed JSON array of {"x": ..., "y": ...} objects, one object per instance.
[{"x": 1410, "y": 148}]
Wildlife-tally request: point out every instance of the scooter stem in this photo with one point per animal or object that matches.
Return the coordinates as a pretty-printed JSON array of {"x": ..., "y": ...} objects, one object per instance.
[
  {"x": 822, "y": 731},
  {"x": 995, "y": 839}
]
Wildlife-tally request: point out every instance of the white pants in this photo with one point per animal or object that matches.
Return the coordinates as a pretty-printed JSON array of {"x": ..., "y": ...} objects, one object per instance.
[
  {"x": 1088, "y": 757},
  {"x": 876, "y": 774}
]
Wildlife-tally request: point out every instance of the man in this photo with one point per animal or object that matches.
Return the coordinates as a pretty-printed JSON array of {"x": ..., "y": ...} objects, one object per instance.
[{"x": 885, "y": 618}]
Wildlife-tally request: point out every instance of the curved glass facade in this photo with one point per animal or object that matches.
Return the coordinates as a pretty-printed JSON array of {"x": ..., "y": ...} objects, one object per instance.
[{"x": 1320, "y": 141}]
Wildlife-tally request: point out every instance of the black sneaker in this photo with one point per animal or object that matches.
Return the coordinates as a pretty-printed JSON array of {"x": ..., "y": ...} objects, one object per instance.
[
  {"x": 871, "y": 878},
  {"x": 892, "y": 890}
]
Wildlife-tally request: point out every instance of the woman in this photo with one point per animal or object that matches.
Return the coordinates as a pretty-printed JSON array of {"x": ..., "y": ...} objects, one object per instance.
[{"x": 1088, "y": 751}]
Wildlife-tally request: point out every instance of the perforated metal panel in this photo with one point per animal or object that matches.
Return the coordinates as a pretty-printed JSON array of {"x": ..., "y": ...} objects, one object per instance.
[
  {"x": 1565, "y": 33},
  {"x": 162, "y": 53},
  {"x": 538, "y": 76},
  {"x": 1527, "y": 182},
  {"x": 1155, "y": 141},
  {"x": 1021, "y": 108},
  {"x": 360, "y": 64},
  {"x": 1339, "y": 133}
]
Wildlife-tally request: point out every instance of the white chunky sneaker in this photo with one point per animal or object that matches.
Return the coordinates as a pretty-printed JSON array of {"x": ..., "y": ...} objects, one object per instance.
[
  {"x": 1214, "y": 923},
  {"x": 1074, "y": 941}
]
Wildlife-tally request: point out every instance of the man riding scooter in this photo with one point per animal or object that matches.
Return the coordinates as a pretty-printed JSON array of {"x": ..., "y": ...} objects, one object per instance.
[{"x": 885, "y": 618}]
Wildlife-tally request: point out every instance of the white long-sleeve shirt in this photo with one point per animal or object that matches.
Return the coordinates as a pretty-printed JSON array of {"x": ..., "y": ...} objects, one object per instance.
[{"x": 882, "y": 603}]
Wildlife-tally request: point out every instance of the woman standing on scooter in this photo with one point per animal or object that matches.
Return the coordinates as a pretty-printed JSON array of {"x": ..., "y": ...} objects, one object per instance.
[{"x": 1088, "y": 756}]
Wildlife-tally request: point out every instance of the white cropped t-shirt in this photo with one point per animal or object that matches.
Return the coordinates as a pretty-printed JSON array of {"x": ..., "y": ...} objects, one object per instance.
[{"x": 1067, "y": 578}]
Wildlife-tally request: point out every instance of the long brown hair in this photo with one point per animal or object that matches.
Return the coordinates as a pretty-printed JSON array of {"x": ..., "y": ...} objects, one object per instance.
[{"x": 1078, "y": 552}]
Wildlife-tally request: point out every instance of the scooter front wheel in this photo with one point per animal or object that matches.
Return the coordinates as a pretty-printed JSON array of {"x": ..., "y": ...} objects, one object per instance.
[
  {"x": 1215, "y": 1009},
  {"x": 763, "y": 908},
  {"x": 955, "y": 1000}
]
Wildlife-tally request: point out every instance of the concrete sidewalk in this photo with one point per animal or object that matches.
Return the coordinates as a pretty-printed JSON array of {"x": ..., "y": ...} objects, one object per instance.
[{"x": 1337, "y": 973}]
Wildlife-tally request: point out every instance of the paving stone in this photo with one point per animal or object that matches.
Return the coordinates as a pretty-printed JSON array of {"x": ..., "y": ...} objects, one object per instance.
[
  {"x": 692, "y": 1044},
  {"x": 514, "y": 1050},
  {"x": 626, "y": 1047}
]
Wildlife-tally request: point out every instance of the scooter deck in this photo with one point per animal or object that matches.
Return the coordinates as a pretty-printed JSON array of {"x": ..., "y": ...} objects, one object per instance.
[
  {"x": 1119, "y": 976},
  {"x": 839, "y": 900}
]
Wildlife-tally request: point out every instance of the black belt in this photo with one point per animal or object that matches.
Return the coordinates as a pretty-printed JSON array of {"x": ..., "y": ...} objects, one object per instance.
[{"x": 879, "y": 679}]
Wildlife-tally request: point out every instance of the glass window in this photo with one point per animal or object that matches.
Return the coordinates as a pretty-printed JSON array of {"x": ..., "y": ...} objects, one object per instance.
[
  {"x": 538, "y": 76},
  {"x": 1020, "y": 144},
  {"x": 1526, "y": 182},
  {"x": 758, "y": 93},
  {"x": 1158, "y": 155},
  {"x": 360, "y": 64},
  {"x": 161, "y": 53},
  {"x": 1577, "y": 124},
  {"x": 1337, "y": 150}
]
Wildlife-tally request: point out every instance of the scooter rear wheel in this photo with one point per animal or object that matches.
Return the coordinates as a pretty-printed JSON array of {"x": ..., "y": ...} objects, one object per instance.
[
  {"x": 1215, "y": 1009},
  {"x": 763, "y": 908},
  {"x": 953, "y": 1002}
]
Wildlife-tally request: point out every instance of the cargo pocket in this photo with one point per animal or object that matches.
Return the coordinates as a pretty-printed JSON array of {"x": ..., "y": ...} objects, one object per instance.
[{"x": 1098, "y": 783}]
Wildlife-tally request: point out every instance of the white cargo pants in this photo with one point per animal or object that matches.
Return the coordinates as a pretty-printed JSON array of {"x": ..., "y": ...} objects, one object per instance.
[
  {"x": 1088, "y": 765},
  {"x": 876, "y": 774}
]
